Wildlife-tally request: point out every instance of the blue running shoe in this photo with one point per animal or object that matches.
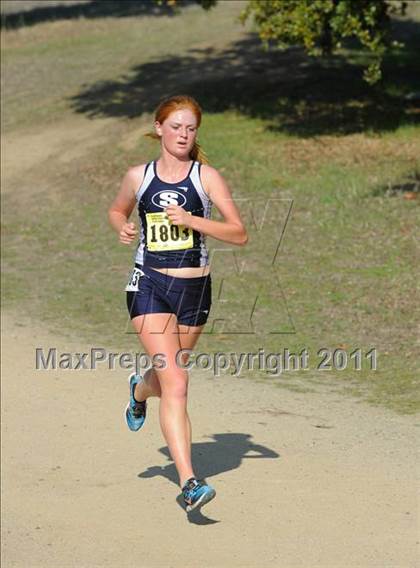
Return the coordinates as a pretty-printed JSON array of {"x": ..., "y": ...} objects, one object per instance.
[
  {"x": 196, "y": 494},
  {"x": 135, "y": 412}
]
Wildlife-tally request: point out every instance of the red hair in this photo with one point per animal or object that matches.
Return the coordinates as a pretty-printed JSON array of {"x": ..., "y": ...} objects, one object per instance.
[{"x": 178, "y": 102}]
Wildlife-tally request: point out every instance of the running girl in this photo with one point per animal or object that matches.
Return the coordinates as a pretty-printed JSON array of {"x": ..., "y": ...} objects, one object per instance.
[{"x": 169, "y": 291}]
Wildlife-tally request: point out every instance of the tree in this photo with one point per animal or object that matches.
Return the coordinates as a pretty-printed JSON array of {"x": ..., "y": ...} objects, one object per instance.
[{"x": 320, "y": 26}]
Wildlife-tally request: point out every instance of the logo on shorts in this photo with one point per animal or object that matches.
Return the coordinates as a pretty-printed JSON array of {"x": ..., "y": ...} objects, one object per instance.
[{"x": 164, "y": 198}]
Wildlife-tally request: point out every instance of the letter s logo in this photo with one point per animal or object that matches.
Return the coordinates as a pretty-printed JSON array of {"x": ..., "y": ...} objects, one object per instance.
[
  {"x": 165, "y": 198},
  {"x": 168, "y": 198}
]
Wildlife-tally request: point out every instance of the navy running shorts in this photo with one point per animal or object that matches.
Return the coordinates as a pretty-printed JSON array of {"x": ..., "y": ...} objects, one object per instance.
[{"x": 153, "y": 292}]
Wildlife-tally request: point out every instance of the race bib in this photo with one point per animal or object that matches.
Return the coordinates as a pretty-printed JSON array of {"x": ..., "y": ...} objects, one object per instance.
[
  {"x": 133, "y": 282},
  {"x": 161, "y": 235}
]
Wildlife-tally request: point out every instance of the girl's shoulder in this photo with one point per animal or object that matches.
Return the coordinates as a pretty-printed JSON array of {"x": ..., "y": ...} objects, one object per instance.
[
  {"x": 206, "y": 169},
  {"x": 136, "y": 171},
  {"x": 209, "y": 172},
  {"x": 136, "y": 174},
  {"x": 210, "y": 178}
]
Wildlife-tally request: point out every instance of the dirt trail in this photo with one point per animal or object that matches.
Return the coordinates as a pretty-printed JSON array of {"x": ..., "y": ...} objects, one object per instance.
[
  {"x": 302, "y": 479},
  {"x": 25, "y": 154},
  {"x": 31, "y": 159}
]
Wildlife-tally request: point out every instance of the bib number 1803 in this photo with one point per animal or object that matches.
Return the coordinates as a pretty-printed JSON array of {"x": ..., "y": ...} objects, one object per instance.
[{"x": 162, "y": 235}]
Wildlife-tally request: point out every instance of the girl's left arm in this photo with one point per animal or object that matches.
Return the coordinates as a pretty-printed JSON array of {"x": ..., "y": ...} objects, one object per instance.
[{"x": 231, "y": 230}]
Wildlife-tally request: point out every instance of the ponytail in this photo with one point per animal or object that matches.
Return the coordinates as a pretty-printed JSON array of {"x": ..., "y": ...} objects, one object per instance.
[{"x": 197, "y": 153}]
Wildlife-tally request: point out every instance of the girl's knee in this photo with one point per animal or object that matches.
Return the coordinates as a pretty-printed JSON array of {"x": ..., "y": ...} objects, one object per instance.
[{"x": 174, "y": 387}]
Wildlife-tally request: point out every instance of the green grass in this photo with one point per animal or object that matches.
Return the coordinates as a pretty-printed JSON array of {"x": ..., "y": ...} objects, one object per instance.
[{"x": 346, "y": 265}]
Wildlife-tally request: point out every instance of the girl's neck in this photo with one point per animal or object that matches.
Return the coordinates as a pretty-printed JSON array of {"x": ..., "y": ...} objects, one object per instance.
[{"x": 171, "y": 167}]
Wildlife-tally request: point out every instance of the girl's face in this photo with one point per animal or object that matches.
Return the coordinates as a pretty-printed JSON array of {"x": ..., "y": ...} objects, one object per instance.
[{"x": 178, "y": 132}]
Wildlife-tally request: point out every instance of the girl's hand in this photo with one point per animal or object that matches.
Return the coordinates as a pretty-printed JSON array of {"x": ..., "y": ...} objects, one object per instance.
[
  {"x": 177, "y": 215},
  {"x": 128, "y": 233}
]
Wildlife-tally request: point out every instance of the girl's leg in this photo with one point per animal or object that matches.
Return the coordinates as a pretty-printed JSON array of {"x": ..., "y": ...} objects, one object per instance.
[
  {"x": 188, "y": 337},
  {"x": 159, "y": 333},
  {"x": 150, "y": 385}
]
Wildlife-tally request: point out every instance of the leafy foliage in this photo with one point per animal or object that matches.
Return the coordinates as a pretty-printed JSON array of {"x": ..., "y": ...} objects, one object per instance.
[{"x": 320, "y": 26}]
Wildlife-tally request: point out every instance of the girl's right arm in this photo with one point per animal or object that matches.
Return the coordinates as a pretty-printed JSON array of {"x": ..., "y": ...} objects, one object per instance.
[{"x": 124, "y": 203}]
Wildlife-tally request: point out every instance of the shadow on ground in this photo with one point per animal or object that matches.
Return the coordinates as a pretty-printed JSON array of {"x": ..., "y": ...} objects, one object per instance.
[
  {"x": 294, "y": 93},
  {"x": 224, "y": 453},
  {"x": 409, "y": 187},
  {"x": 93, "y": 9}
]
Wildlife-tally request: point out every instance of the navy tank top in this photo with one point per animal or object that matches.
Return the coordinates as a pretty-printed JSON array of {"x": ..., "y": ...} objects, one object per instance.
[{"x": 161, "y": 244}]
